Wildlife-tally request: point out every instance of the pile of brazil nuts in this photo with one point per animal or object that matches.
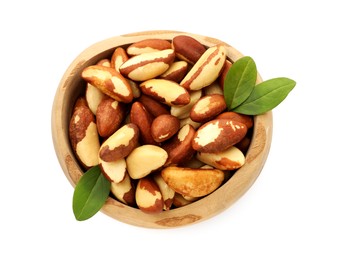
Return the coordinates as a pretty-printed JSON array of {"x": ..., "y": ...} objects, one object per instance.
[{"x": 154, "y": 118}]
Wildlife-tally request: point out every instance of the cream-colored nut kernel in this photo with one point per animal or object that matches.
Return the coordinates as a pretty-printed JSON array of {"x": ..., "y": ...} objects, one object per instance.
[
  {"x": 188, "y": 121},
  {"x": 143, "y": 119},
  {"x": 217, "y": 135},
  {"x": 192, "y": 163},
  {"x": 134, "y": 88},
  {"x": 179, "y": 147},
  {"x": 145, "y": 159},
  {"x": 104, "y": 63},
  {"x": 124, "y": 191},
  {"x": 187, "y": 48},
  {"x": 167, "y": 192},
  {"x": 83, "y": 135},
  {"x": 184, "y": 111},
  {"x": 114, "y": 171},
  {"x": 206, "y": 166},
  {"x": 148, "y": 45},
  {"x": 207, "y": 68},
  {"x": 153, "y": 106},
  {"x": 213, "y": 88},
  {"x": 192, "y": 182},
  {"x": 109, "y": 116},
  {"x": 148, "y": 196},
  {"x": 120, "y": 144},
  {"x": 207, "y": 108},
  {"x": 93, "y": 96},
  {"x": 188, "y": 198},
  {"x": 147, "y": 65},
  {"x": 109, "y": 81},
  {"x": 227, "y": 173},
  {"x": 118, "y": 58},
  {"x": 164, "y": 127},
  {"x": 180, "y": 201},
  {"x": 176, "y": 71},
  {"x": 230, "y": 159},
  {"x": 166, "y": 91},
  {"x": 86, "y": 148}
]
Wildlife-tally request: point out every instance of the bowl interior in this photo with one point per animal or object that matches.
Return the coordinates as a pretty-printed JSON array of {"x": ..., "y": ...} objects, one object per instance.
[{"x": 72, "y": 85}]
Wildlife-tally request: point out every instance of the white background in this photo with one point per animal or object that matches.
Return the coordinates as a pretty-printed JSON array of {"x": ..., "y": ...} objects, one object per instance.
[{"x": 291, "y": 210}]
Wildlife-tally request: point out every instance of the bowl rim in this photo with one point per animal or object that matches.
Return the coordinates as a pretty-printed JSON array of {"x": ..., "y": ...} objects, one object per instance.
[{"x": 202, "y": 209}]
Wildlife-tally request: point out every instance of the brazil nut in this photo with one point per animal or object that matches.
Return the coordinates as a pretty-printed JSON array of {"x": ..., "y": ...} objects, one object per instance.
[{"x": 147, "y": 65}]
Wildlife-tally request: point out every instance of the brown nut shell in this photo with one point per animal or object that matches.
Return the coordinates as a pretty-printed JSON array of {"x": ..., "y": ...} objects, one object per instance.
[
  {"x": 153, "y": 106},
  {"x": 83, "y": 134},
  {"x": 179, "y": 147},
  {"x": 124, "y": 191},
  {"x": 230, "y": 159},
  {"x": 217, "y": 135},
  {"x": 109, "y": 116},
  {"x": 207, "y": 69},
  {"x": 207, "y": 108},
  {"x": 120, "y": 144},
  {"x": 148, "y": 196},
  {"x": 244, "y": 119},
  {"x": 148, "y": 45},
  {"x": 147, "y": 65},
  {"x": 182, "y": 112},
  {"x": 143, "y": 119},
  {"x": 109, "y": 81},
  {"x": 244, "y": 144},
  {"x": 164, "y": 127},
  {"x": 176, "y": 71},
  {"x": 224, "y": 72},
  {"x": 187, "y": 48},
  {"x": 118, "y": 58},
  {"x": 167, "y": 192},
  {"x": 94, "y": 96},
  {"x": 166, "y": 91},
  {"x": 114, "y": 171}
]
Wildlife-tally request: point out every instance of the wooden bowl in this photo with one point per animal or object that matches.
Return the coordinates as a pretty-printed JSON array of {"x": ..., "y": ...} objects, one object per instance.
[{"x": 71, "y": 86}]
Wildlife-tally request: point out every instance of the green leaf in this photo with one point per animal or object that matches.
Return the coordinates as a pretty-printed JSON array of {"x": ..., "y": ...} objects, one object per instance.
[
  {"x": 90, "y": 193},
  {"x": 266, "y": 96},
  {"x": 239, "y": 81}
]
